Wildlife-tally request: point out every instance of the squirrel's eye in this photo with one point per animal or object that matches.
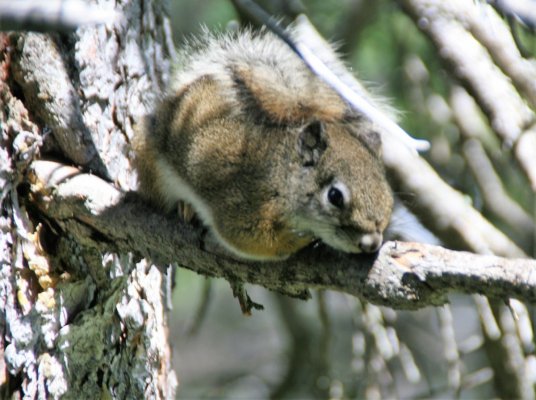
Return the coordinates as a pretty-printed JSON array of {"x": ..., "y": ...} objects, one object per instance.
[{"x": 336, "y": 197}]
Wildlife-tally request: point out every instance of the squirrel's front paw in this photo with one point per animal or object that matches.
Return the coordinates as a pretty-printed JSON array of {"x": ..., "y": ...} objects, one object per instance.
[{"x": 186, "y": 212}]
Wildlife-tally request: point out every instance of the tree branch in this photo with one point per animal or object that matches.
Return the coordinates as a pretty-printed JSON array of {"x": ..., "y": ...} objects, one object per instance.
[
  {"x": 51, "y": 15},
  {"x": 467, "y": 117},
  {"x": 482, "y": 54},
  {"x": 495, "y": 197},
  {"x": 40, "y": 70},
  {"x": 403, "y": 275},
  {"x": 525, "y": 10}
]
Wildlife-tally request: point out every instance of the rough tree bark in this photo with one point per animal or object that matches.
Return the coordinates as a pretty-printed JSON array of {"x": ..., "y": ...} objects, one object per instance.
[{"x": 77, "y": 322}]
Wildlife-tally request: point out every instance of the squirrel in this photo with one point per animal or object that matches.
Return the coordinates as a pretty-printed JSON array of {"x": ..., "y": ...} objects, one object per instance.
[{"x": 269, "y": 157}]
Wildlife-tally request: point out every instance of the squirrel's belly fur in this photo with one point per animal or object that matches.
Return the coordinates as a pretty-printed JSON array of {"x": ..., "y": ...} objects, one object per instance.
[{"x": 268, "y": 242}]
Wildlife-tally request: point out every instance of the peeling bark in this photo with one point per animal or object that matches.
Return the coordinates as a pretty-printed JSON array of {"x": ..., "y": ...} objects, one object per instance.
[{"x": 77, "y": 322}]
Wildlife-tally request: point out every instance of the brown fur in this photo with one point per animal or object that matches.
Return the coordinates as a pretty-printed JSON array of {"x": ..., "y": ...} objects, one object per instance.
[{"x": 253, "y": 140}]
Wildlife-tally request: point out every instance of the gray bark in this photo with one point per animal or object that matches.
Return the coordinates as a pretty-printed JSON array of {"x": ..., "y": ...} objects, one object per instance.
[{"x": 77, "y": 322}]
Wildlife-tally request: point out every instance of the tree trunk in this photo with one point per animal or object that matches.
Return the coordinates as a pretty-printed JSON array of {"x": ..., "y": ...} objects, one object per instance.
[{"x": 78, "y": 323}]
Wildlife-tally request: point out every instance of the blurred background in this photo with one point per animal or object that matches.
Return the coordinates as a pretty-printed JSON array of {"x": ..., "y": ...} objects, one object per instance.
[{"x": 334, "y": 345}]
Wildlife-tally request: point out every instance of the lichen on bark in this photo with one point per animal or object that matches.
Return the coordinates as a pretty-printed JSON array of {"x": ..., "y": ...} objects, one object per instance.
[{"x": 78, "y": 322}]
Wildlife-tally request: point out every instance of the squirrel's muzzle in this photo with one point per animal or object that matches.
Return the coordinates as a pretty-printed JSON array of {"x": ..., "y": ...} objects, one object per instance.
[{"x": 370, "y": 242}]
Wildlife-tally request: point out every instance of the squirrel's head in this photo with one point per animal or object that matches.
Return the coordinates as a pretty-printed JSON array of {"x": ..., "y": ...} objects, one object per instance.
[{"x": 348, "y": 202}]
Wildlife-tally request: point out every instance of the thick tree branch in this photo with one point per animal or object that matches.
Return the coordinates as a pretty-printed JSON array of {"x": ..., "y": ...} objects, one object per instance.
[
  {"x": 403, "y": 275},
  {"x": 39, "y": 68}
]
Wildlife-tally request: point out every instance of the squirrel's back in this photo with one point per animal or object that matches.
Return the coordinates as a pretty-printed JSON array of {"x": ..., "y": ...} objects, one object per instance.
[{"x": 257, "y": 69}]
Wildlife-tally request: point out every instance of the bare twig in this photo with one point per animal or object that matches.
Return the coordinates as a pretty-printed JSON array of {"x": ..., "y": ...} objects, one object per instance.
[
  {"x": 444, "y": 210},
  {"x": 403, "y": 275},
  {"x": 382, "y": 382},
  {"x": 51, "y": 15},
  {"x": 471, "y": 125},
  {"x": 495, "y": 197},
  {"x": 524, "y": 10},
  {"x": 354, "y": 19},
  {"x": 472, "y": 64},
  {"x": 488, "y": 64},
  {"x": 506, "y": 357},
  {"x": 525, "y": 152},
  {"x": 489, "y": 29},
  {"x": 202, "y": 308},
  {"x": 450, "y": 349}
]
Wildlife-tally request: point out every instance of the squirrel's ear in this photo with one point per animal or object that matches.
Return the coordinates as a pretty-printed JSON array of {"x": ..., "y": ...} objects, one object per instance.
[
  {"x": 312, "y": 142},
  {"x": 372, "y": 140}
]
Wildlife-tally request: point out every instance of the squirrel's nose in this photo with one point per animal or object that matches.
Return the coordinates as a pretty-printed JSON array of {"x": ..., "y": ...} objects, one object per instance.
[{"x": 370, "y": 242}]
